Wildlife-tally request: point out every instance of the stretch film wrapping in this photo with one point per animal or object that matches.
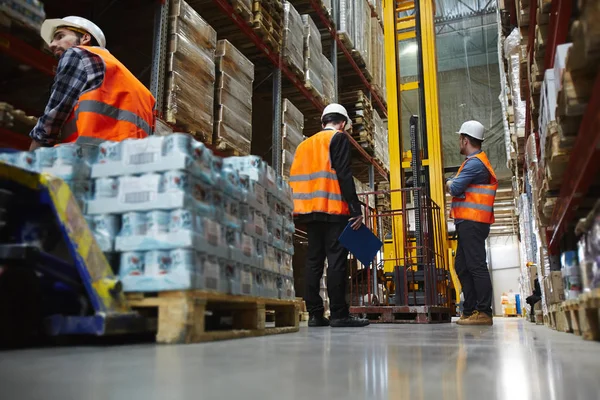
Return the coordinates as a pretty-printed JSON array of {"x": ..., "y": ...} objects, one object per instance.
[
  {"x": 190, "y": 72},
  {"x": 233, "y": 100}
]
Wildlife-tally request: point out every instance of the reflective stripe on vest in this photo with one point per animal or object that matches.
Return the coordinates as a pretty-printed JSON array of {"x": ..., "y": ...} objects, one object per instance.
[
  {"x": 315, "y": 175},
  {"x": 478, "y": 204},
  {"x": 318, "y": 194},
  {"x": 313, "y": 180},
  {"x": 106, "y": 110},
  {"x": 120, "y": 108}
]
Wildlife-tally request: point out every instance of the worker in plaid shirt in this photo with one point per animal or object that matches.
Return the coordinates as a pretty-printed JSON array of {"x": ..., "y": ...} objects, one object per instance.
[{"x": 76, "y": 106}]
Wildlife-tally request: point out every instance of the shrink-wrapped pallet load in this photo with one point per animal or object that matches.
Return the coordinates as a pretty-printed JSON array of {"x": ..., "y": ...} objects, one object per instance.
[
  {"x": 313, "y": 57},
  {"x": 190, "y": 72},
  {"x": 233, "y": 101}
]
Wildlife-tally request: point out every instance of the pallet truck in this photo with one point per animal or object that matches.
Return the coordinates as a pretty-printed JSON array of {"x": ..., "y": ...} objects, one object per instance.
[{"x": 54, "y": 279}]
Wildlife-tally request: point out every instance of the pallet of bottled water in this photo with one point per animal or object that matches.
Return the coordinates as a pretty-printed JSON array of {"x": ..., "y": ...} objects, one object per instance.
[{"x": 170, "y": 215}]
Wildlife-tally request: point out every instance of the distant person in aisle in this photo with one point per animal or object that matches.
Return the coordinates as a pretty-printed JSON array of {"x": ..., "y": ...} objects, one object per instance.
[
  {"x": 325, "y": 201},
  {"x": 473, "y": 191},
  {"x": 93, "y": 93}
]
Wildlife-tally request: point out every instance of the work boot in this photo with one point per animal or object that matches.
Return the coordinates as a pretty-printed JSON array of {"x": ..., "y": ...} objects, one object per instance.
[
  {"x": 349, "y": 322},
  {"x": 478, "y": 318},
  {"x": 463, "y": 318},
  {"x": 317, "y": 320}
]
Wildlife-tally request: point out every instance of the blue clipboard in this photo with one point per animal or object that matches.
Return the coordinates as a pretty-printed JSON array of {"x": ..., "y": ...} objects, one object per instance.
[{"x": 362, "y": 243}]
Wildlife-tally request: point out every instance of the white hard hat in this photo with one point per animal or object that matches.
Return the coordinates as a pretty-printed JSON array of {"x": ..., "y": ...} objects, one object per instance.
[
  {"x": 50, "y": 26},
  {"x": 472, "y": 128},
  {"x": 335, "y": 108}
]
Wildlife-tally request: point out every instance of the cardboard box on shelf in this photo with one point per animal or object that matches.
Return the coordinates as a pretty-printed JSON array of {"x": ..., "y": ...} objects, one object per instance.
[
  {"x": 556, "y": 288},
  {"x": 560, "y": 61}
]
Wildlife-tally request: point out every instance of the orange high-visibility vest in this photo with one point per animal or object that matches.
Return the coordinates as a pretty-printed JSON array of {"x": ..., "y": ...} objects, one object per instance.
[
  {"x": 313, "y": 180},
  {"x": 120, "y": 108},
  {"x": 478, "y": 204}
]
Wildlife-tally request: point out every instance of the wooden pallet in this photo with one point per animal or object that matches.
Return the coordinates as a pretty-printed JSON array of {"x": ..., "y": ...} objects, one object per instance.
[
  {"x": 558, "y": 321},
  {"x": 303, "y": 316},
  {"x": 382, "y": 165},
  {"x": 589, "y": 315},
  {"x": 346, "y": 41},
  {"x": 241, "y": 9},
  {"x": 405, "y": 314},
  {"x": 268, "y": 22},
  {"x": 309, "y": 86},
  {"x": 572, "y": 314},
  {"x": 293, "y": 67},
  {"x": 266, "y": 34},
  {"x": 358, "y": 58},
  {"x": 192, "y": 316},
  {"x": 585, "y": 35}
]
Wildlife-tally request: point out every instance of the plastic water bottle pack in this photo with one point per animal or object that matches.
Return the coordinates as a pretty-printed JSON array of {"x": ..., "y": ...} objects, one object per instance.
[{"x": 170, "y": 215}]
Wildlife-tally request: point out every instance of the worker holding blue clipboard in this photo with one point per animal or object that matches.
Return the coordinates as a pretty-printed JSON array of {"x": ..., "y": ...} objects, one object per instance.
[{"x": 325, "y": 201}]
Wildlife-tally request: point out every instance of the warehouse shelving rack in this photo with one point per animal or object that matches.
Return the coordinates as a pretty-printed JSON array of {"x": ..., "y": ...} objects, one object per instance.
[
  {"x": 279, "y": 70},
  {"x": 584, "y": 162},
  {"x": 27, "y": 54}
]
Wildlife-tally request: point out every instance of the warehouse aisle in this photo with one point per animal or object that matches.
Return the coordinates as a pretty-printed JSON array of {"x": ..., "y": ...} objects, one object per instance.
[{"x": 513, "y": 360}]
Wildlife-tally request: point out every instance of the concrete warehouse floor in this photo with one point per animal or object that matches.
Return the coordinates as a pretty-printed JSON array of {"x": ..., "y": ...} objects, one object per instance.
[{"x": 512, "y": 360}]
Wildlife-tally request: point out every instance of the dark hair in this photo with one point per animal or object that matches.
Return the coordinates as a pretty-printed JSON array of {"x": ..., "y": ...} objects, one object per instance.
[
  {"x": 474, "y": 142},
  {"x": 333, "y": 118},
  {"x": 93, "y": 41}
]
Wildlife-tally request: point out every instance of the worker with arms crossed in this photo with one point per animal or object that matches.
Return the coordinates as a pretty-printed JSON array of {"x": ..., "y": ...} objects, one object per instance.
[
  {"x": 325, "y": 201},
  {"x": 473, "y": 191},
  {"x": 93, "y": 93}
]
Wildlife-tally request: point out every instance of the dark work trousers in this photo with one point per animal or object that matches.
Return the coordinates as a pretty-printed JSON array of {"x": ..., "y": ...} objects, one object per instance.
[
  {"x": 323, "y": 242},
  {"x": 471, "y": 267}
]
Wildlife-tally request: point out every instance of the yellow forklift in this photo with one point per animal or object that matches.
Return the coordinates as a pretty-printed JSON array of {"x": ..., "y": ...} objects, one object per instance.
[{"x": 417, "y": 265}]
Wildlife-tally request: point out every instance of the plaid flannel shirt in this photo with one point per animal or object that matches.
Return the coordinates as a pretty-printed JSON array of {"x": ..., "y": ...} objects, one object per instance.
[{"x": 78, "y": 71}]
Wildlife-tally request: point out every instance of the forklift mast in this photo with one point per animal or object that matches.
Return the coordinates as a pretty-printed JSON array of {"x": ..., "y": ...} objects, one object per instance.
[{"x": 406, "y": 20}]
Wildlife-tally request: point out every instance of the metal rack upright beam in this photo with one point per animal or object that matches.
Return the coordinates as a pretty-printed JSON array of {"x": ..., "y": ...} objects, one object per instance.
[{"x": 159, "y": 54}]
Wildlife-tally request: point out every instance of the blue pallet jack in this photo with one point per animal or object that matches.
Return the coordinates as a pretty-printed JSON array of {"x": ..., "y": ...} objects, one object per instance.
[{"x": 48, "y": 247}]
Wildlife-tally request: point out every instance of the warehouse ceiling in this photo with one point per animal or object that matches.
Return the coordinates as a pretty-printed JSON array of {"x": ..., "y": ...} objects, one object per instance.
[
  {"x": 466, "y": 33},
  {"x": 468, "y": 76},
  {"x": 469, "y": 85}
]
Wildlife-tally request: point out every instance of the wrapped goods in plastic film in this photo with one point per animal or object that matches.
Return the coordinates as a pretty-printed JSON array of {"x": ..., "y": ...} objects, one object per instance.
[
  {"x": 191, "y": 72},
  {"x": 518, "y": 104},
  {"x": 293, "y": 38},
  {"x": 377, "y": 56},
  {"x": 233, "y": 94},
  {"x": 292, "y": 116},
  {"x": 381, "y": 140},
  {"x": 512, "y": 42},
  {"x": 503, "y": 97},
  {"x": 293, "y": 126},
  {"x": 177, "y": 217},
  {"x": 233, "y": 99},
  {"x": 362, "y": 31},
  {"x": 328, "y": 6},
  {"x": 232, "y": 62},
  {"x": 328, "y": 81},
  {"x": 27, "y": 12},
  {"x": 233, "y": 132},
  {"x": 286, "y": 163},
  {"x": 345, "y": 22},
  {"x": 588, "y": 250},
  {"x": 511, "y": 52},
  {"x": 313, "y": 57},
  {"x": 377, "y": 6},
  {"x": 531, "y": 153}
]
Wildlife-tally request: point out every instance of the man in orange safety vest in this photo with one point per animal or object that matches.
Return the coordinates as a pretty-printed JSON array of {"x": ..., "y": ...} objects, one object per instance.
[
  {"x": 473, "y": 191},
  {"x": 325, "y": 200},
  {"x": 93, "y": 93}
]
